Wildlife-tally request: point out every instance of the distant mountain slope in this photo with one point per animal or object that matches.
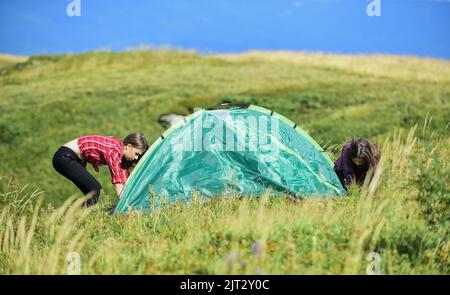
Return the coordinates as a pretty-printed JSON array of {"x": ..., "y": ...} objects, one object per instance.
[{"x": 6, "y": 60}]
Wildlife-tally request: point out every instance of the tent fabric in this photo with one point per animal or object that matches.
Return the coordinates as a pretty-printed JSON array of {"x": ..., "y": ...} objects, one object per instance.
[{"x": 238, "y": 151}]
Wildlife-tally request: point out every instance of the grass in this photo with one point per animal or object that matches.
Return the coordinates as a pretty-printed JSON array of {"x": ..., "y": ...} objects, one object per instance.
[
  {"x": 399, "y": 102},
  {"x": 8, "y": 60}
]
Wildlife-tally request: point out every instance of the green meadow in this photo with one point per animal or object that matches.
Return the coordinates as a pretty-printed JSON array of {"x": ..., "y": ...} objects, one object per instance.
[{"x": 401, "y": 103}]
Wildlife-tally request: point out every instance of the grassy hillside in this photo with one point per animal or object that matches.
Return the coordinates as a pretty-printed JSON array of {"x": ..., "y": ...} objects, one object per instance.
[
  {"x": 8, "y": 60},
  {"x": 48, "y": 100}
]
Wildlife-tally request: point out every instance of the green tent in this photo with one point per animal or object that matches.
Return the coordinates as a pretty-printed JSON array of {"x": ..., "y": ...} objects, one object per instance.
[{"x": 245, "y": 151}]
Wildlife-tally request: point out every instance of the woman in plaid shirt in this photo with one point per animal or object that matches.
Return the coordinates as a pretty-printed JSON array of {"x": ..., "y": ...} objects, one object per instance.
[{"x": 121, "y": 156}]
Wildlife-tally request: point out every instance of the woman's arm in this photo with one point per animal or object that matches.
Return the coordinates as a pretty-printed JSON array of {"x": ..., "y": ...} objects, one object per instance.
[
  {"x": 118, "y": 175},
  {"x": 118, "y": 187}
]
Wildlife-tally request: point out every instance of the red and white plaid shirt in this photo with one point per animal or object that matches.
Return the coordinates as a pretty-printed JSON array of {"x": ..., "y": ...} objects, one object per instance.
[{"x": 104, "y": 150}]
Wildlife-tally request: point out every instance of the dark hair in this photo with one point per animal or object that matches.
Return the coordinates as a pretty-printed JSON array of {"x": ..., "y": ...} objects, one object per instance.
[
  {"x": 138, "y": 141},
  {"x": 366, "y": 150}
]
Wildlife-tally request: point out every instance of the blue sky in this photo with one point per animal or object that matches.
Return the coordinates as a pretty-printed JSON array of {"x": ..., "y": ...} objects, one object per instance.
[{"x": 409, "y": 27}]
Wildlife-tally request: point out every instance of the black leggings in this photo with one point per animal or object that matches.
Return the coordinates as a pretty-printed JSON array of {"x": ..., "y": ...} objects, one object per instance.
[{"x": 68, "y": 164}]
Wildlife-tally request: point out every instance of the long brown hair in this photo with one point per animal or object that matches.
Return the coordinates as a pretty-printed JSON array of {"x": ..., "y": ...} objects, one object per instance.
[
  {"x": 138, "y": 141},
  {"x": 366, "y": 150}
]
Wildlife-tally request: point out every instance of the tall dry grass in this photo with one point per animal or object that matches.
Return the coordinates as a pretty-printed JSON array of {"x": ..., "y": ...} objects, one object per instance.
[{"x": 264, "y": 235}]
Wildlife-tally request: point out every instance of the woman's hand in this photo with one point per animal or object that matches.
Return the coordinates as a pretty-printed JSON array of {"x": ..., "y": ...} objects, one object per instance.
[{"x": 118, "y": 188}]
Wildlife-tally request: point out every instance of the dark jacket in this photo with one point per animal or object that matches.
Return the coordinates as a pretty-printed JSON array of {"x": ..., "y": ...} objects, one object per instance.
[{"x": 347, "y": 171}]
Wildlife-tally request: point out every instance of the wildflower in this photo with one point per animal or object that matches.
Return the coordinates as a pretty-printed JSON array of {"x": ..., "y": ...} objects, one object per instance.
[{"x": 257, "y": 249}]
